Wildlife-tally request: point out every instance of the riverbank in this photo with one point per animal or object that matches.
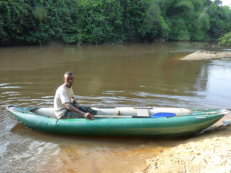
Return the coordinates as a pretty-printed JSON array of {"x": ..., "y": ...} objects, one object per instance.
[
  {"x": 206, "y": 55},
  {"x": 209, "y": 152}
]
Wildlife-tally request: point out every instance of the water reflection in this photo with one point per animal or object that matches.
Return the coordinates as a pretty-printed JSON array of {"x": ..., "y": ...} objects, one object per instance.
[{"x": 218, "y": 82}]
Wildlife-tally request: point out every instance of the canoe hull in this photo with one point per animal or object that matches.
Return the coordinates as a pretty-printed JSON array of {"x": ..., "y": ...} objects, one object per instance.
[{"x": 175, "y": 126}]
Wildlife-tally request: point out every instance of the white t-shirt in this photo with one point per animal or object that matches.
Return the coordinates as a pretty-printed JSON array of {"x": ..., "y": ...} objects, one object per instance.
[{"x": 63, "y": 95}]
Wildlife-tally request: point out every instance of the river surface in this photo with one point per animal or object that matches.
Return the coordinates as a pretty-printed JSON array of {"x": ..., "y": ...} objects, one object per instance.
[{"x": 105, "y": 75}]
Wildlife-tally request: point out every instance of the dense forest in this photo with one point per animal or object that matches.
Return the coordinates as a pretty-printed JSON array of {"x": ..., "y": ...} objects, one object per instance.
[{"x": 111, "y": 21}]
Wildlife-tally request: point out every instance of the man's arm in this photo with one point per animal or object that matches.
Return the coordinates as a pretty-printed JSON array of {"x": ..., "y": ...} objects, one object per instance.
[
  {"x": 74, "y": 109},
  {"x": 73, "y": 101}
]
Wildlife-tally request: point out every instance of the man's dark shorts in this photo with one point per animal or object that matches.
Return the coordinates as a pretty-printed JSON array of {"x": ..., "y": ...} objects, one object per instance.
[{"x": 70, "y": 115}]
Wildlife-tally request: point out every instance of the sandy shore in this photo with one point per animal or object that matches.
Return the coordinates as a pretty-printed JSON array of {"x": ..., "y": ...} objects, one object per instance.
[
  {"x": 206, "y": 55},
  {"x": 207, "y": 153}
]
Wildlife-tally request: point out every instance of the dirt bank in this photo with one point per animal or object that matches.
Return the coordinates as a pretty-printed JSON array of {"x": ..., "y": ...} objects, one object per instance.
[
  {"x": 205, "y": 55},
  {"x": 209, "y": 152}
]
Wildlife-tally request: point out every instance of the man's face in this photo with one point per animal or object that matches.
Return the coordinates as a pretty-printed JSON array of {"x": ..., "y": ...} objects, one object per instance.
[{"x": 68, "y": 80}]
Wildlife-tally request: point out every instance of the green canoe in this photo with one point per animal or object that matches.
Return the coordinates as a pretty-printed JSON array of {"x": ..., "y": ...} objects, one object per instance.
[{"x": 122, "y": 121}]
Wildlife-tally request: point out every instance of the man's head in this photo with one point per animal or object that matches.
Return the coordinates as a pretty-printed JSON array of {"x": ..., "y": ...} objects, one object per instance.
[{"x": 68, "y": 79}]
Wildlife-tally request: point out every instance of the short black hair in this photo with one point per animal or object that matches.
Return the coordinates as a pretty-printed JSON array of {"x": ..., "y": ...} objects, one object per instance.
[{"x": 68, "y": 73}]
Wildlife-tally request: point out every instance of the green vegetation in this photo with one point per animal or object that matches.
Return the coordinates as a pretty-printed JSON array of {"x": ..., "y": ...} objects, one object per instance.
[
  {"x": 110, "y": 21},
  {"x": 225, "y": 40}
]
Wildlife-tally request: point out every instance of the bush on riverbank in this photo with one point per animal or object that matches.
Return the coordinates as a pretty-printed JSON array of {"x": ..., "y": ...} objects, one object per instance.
[
  {"x": 107, "y": 21},
  {"x": 225, "y": 40}
]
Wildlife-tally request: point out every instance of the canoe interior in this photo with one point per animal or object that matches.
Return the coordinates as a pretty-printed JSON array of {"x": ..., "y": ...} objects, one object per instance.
[{"x": 121, "y": 111}]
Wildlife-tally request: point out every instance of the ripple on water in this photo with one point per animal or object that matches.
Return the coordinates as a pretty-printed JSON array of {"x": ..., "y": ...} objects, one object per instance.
[
  {"x": 27, "y": 155},
  {"x": 3, "y": 84},
  {"x": 11, "y": 93}
]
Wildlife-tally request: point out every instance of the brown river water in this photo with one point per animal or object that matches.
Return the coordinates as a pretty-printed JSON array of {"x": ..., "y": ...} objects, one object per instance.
[{"x": 105, "y": 75}]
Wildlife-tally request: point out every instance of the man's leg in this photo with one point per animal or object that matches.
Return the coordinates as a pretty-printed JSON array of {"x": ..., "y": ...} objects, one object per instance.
[
  {"x": 70, "y": 115},
  {"x": 88, "y": 109}
]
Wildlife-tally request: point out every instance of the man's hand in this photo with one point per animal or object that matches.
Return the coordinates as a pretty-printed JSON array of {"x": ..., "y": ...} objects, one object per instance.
[{"x": 88, "y": 116}]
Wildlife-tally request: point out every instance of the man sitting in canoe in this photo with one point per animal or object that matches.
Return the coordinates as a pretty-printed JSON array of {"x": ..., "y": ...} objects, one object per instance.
[{"x": 65, "y": 105}]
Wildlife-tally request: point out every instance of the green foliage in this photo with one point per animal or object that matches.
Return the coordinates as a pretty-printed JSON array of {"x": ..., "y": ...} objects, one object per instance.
[
  {"x": 225, "y": 40},
  {"x": 187, "y": 19},
  {"x": 220, "y": 20},
  {"x": 153, "y": 25},
  {"x": 99, "y": 21},
  {"x": 109, "y": 21}
]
